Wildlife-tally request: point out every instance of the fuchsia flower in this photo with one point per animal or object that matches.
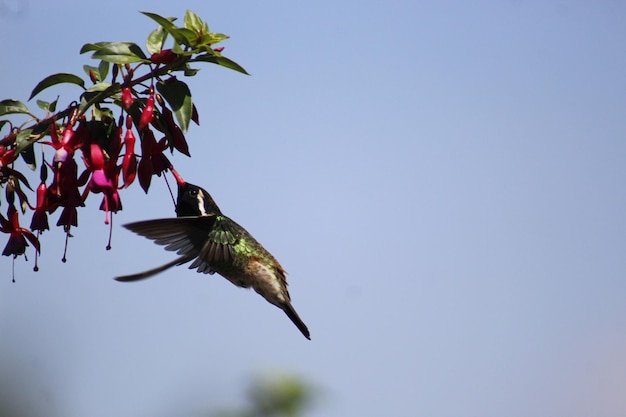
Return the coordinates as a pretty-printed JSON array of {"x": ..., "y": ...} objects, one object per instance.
[
  {"x": 63, "y": 192},
  {"x": 39, "y": 221},
  {"x": 177, "y": 138},
  {"x": 18, "y": 235},
  {"x": 65, "y": 147},
  {"x": 7, "y": 157},
  {"x": 148, "y": 111},
  {"x": 129, "y": 162},
  {"x": 104, "y": 176},
  {"x": 104, "y": 179},
  {"x": 166, "y": 56},
  {"x": 127, "y": 97},
  {"x": 152, "y": 162}
]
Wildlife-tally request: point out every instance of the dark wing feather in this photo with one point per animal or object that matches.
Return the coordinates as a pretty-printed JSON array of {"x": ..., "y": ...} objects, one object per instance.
[
  {"x": 150, "y": 272},
  {"x": 185, "y": 235},
  {"x": 208, "y": 239},
  {"x": 219, "y": 249}
]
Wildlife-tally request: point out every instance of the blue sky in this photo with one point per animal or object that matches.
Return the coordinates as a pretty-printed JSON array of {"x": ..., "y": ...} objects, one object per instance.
[{"x": 444, "y": 182}]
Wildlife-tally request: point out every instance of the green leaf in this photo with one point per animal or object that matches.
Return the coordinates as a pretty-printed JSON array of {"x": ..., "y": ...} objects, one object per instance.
[
  {"x": 166, "y": 23},
  {"x": 178, "y": 96},
  {"x": 177, "y": 49},
  {"x": 43, "y": 105},
  {"x": 120, "y": 53},
  {"x": 23, "y": 140},
  {"x": 53, "y": 106},
  {"x": 2, "y": 123},
  {"x": 190, "y": 72},
  {"x": 185, "y": 36},
  {"x": 213, "y": 38},
  {"x": 98, "y": 87},
  {"x": 103, "y": 69},
  {"x": 89, "y": 98},
  {"x": 12, "y": 107},
  {"x": 54, "y": 79},
  {"x": 89, "y": 68},
  {"x": 156, "y": 40},
  {"x": 221, "y": 60},
  {"x": 101, "y": 114},
  {"x": 28, "y": 155},
  {"x": 41, "y": 128},
  {"x": 49, "y": 107},
  {"x": 193, "y": 22},
  {"x": 182, "y": 36},
  {"x": 229, "y": 63},
  {"x": 92, "y": 47}
]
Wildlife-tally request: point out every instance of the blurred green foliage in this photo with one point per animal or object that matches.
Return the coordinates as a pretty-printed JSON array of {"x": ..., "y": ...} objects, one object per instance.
[{"x": 275, "y": 396}]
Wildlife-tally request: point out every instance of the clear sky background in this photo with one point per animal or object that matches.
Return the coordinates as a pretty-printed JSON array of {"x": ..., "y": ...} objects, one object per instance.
[{"x": 443, "y": 180}]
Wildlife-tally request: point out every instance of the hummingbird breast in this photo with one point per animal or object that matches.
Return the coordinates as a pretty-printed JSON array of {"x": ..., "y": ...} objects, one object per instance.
[{"x": 264, "y": 279}]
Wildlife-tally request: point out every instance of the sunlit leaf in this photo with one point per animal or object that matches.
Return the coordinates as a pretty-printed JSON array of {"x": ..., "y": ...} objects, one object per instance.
[
  {"x": 103, "y": 69},
  {"x": 54, "y": 79},
  {"x": 98, "y": 87},
  {"x": 213, "y": 38},
  {"x": 177, "y": 49},
  {"x": 221, "y": 60},
  {"x": 165, "y": 22},
  {"x": 156, "y": 40},
  {"x": 193, "y": 22},
  {"x": 185, "y": 36},
  {"x": 92, "y": 46},
  {"x": 43, "y": 105},
  {"x": 49, "y": 107},
  {"x": 120, "y": 53},
  {"x": 182, "y": 36},
  {"x": 12, "y": 106}
]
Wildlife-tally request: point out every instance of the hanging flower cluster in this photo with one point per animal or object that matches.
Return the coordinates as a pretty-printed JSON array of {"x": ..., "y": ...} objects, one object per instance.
[{"x": 88, "y": 149}]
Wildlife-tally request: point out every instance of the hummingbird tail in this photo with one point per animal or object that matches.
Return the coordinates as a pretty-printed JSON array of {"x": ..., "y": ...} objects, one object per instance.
[
  {"x": 293, "y": 316},
  {"x": 150, "y": 272}
]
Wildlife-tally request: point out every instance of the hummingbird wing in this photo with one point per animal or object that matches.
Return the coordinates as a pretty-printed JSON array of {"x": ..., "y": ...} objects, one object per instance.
[
  {"x": 150, "y": 272},
  {"x": 185, "y": 235},
  {"x": 219, "y": 247}
]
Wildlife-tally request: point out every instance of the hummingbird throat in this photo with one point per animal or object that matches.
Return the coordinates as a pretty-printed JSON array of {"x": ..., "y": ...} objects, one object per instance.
[{"x": 201, "y": 206}]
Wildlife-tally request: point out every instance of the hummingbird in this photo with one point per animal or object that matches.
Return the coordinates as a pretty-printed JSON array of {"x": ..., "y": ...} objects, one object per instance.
[{"x": 216, "y": 244}]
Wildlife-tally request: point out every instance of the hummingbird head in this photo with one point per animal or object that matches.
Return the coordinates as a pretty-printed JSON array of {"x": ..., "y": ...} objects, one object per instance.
[{"x": 195, "y": 201}]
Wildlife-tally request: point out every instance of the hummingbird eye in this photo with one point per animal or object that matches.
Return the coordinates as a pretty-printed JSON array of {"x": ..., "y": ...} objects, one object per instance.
[{"x": 193, "y": 193}]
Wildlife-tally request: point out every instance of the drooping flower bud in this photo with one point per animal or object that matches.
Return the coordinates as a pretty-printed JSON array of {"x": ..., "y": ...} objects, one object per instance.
[
  {"x": 166, "y": 56},
  {"x": 127, "y": 97},
  {"x": 148, "y": 111}
]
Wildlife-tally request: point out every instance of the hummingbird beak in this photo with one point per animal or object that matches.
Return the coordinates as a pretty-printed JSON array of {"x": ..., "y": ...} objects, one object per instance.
[{"x": 179, "y": 180}]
